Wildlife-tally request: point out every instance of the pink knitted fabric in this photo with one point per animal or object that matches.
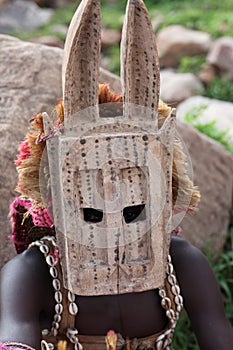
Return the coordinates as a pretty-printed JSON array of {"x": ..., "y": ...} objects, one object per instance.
[{"x": 40, "y": 217}]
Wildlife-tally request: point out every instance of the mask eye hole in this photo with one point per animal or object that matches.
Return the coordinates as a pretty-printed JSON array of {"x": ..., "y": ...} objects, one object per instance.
[
  {"x": 134, "y": 213},
  {"x": 92, "y": 215}
]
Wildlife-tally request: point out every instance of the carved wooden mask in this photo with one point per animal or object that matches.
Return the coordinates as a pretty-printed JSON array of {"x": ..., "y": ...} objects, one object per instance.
[{"x": 111, "y": 177}]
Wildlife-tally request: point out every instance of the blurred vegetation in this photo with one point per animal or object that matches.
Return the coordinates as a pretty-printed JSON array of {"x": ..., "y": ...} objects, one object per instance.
[
  {"x": 210, "y": 129},
  {"x": 221, "y": 89},
  {"x": 212, "y": 16},
  {"x": 191, "y": 64},
  {"x": 223, "y": 269}
]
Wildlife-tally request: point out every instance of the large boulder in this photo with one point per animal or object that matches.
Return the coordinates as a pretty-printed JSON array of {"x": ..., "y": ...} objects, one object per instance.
[
  {"x": 22, "y": 15},
  {"x": 213, "y": 169},
  {"x": 110, "y": 37},
  {"x": 3, "y": 3},
  {"x": 176, "y": 87},
  {"x": 221, "y": 56},
  {"x": 175, "y": 42},
  {"x": 31, "y": 82},
  {"x": 209, "y": 110}
]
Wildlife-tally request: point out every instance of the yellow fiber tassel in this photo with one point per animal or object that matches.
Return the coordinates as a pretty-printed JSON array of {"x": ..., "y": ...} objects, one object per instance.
[
  {"x": 111, "y": 340},
  {"x": 61, "y": 345}
]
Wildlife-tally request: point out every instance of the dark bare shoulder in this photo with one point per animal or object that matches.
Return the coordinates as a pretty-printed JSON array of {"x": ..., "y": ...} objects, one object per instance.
[
  {"x": 183, "y": 252},
  {"x": 202, "y": 297},
  {"x": 192, "y": 268},
  {"x": 27, "y": 264},
  {"x": 26, "y": 277}
]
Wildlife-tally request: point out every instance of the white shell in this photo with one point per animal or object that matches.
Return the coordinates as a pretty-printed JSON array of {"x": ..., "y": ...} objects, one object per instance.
[
  {"x": 55, "y": 332},
  {"x": 72, "y": 331},
  {"x": 59, "y": 309},
  {"x": 176, "y": 289},
  {"x": 44, "y": 345},
  {"x": 56, "y": 284},
  {"x": 171, "y": 279},
  {"x": 55, "y": 325},
  {"x": 179, "y": 308},
  {"x": 58, "y": 296},
  {"x": 166, "y": 302},
  {"x": 166, "y": 343},
  {"x": 162, "y": 293},
  {"x": 80, "y": 347},
  {"x": 161, "y": 337},
  {"x": 51, "y": 346},
  {"x": 44, "y": 249},
  {"x": 73, "y": 309},
  {"x": 45, "y": 332},
  {"x": 169, "y": 269},
  {"x": 71, "y": 296},
  {"x": 159, "y": 345},
  {"x": 178, "y": 299},
  {"x": 57, "y": 318},
  {"x": 53, "y": 272},
  {"x": 170, "y": 313},
  {"x": 50, "y": 260}
]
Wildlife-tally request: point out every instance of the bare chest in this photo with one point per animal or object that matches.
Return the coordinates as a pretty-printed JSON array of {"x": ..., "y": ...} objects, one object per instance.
[{"x": 132, "y": 315}]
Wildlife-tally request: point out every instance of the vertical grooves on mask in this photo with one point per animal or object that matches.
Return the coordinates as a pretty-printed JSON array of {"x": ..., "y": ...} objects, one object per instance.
[
  {"x": 139, "y": 59},
  {"x": 82, "y": 59}
]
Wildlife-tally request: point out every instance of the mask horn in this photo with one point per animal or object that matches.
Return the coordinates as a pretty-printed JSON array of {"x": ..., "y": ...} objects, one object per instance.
[
  {"x": 140, "y": 76},
  {"x": 80, "y": 70}
]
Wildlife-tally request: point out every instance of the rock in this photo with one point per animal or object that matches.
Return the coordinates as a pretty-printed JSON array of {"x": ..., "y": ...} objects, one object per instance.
[
  {"x": 110, "y": 37},
  {"x": 213, "y": 168},
  {"x": 157, "y": 21},
  {"x": 59, "y": 29},
  {"x": 111, "y": 79},
  {"x": 214, "y": 110},
  {"x": 22, "y": 15},
  {"x": 207, "y": 74},
  {"x": 35, "y": 86},
  {"x": 3, "y": 3},
  {"x": 48, "y": 40},
  {"x": 30, "y": 83},
  {"x": 175, "y": 42},
  {"x": 176, "y": 87},
  {"x": 53, "y": 3},
  {"x": 221, "y": 56}
]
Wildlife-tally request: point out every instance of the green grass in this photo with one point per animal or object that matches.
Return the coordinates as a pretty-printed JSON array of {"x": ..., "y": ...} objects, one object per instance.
[
  {"x": 211, "y": 16},
  {"x": 191, "y": 64},
  {"x": 113, "y": 54},
  {"x": 221, "y": 89},
  {"x": 214, "y": 17},
  {"x": 210, "y": 129},
  {"x": 184, "y": 337},
  {"x": 223, "y": 270}
]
